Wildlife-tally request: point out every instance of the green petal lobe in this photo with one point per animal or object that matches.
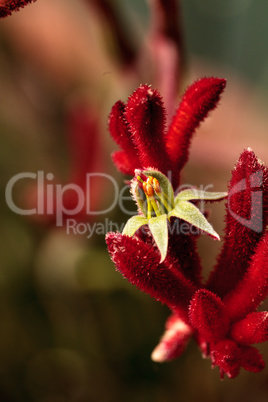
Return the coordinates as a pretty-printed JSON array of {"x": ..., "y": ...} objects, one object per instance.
[
  {"x": 190, "y": 213},
  {"x": 137, "y": 196},
  {"x": 133, "y": 224},
  {"x": 159, "y": 229},
  {"x": 194, "y": 194}
]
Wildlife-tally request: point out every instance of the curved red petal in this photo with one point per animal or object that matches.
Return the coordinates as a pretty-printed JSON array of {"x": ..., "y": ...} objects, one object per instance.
[
  {"x": 227, "y": 355},
  {"x": 139, "y": 263},
  {"x": 252, "y": 329},
  {"x": 251, "y": 359},
  {"x": 246, "y": 219},
  {"x": 127, "y": 160},
  {"x": 124, "y": 163},
  {"x": 118, "y": 127},
  {"x": 146, "y": 116},
  {"x": 208, "y": 315},
  {"x": 253, "y": 288},
  {"x": 182, "y": 251},
  {"x": 173, "y": 341},
  {"x": 199, "y": 99}
]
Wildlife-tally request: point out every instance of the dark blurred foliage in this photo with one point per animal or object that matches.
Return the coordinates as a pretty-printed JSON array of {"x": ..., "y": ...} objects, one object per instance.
[{"x": 71, "y": 328}]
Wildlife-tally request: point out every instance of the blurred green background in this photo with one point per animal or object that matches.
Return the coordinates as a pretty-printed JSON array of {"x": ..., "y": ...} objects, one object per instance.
[{"x": 71, "y": 328}]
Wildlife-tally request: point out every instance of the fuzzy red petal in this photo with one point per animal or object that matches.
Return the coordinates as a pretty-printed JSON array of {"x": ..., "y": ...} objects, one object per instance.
[
  {"x": 8, "y": 6},
  {"x": 246, "y": 218},
  {"x": 173, "y": 341},
  {"x": 251, "y": 359},
  {"x": 227, "y": 355},
  {"x": 252, "y": 329},
  {"x": 119, "y": 129},
  {"x": 182, "y": 251},
  {"x": 199, "y": 99},
  {"x": 208, "y": 315},
  {"x": 139, "y": 263},
  {"x": 146, "y": 116},
  {"x": 124, "y": 163},
  {"x": 253, "y": 288},
  {"x": 126, "y": 160}
]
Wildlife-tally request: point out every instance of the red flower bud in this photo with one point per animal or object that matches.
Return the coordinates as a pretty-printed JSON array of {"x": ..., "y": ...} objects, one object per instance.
[
  {"x": 208, "y": 315},
  {"x": 252, "y": 329},
  {"x": 139, "y": 263},
  {"x": 246, "y": 219},
  {"x": 199, "y": 99}
]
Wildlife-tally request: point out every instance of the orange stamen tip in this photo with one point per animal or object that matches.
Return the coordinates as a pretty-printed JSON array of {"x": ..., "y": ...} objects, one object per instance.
[
  {"x": 149, "y": 190},
  {"x": 156, "y": 186},
  {"x": 150, "y": 180}
]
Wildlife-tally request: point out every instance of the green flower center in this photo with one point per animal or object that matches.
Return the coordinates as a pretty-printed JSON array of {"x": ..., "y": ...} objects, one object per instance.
[
  {"x": 157, "y": 201},
  {"x": 155, "y": 197}
]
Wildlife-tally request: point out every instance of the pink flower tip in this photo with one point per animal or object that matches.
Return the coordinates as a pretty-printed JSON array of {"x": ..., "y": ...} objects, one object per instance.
[{"x": 173, "y": 342}]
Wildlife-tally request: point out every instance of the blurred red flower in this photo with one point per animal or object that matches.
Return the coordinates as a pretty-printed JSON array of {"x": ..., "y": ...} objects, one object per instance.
[{"x": 8, "y": 6}]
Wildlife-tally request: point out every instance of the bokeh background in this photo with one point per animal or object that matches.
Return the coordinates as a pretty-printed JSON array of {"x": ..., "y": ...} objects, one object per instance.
[{"x": 71, "y": 328}]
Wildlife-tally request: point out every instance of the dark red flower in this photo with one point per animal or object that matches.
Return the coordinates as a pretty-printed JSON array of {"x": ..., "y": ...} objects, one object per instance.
[
  {"x": 200, "y": 98},
  {"x": 139, "y": 127},
  {"x": 8, "y": 6},
  {"x": 139, "y": 263},
  {"x": 246, "y": 218},
  {"x": 220, "y": 314}
]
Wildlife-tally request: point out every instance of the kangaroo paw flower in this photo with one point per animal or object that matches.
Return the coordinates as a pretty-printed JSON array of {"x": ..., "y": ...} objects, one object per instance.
[{"x": 155, "y": 254}]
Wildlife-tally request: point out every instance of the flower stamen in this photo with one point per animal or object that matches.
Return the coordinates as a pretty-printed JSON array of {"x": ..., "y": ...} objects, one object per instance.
[{"x": 152, "y": 189}]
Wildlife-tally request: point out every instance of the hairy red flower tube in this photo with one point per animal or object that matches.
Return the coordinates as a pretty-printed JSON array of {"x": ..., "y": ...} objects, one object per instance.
[{"x": 161, "y": 259}]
